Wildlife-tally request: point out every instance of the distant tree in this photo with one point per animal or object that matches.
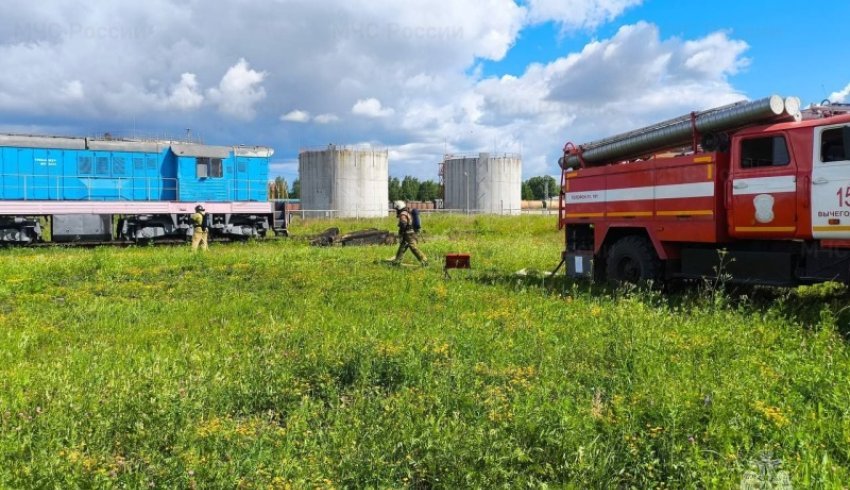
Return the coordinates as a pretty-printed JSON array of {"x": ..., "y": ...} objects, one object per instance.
[
  {"x": 538, "y": 186},
  {"x": 428, "y": 191},
  {"x": 395, "y": 189},
  {"x": 280, "y": 189},
  {"x": 409, "y": 188},
  {"x": 295, "y": 193},
  {"x": 527, "y": 193}
]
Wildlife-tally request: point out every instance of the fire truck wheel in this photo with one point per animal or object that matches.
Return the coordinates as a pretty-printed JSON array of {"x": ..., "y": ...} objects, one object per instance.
[{"x": 633, "y": 259}]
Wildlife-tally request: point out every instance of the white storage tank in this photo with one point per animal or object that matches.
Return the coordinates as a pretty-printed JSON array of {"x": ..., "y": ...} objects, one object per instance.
[
  {"x": 344, "y": 182},
  {"x": 484, "y": 184}
]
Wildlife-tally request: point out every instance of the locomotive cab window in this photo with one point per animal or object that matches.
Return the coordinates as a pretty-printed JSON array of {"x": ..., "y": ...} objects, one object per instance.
[
  {"x": 209, "y": 167},
  {"x": 216, "y": 167},
  {"x": 765, "y": 152},
  {"x": 835, "y": 145}
]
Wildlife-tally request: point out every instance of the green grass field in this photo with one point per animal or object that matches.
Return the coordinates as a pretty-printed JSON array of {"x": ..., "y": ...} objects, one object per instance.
[{"x": 278, "y": 365}]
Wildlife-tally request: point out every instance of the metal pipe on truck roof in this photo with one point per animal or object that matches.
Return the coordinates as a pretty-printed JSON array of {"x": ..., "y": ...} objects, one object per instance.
[
  {"x": 679, "y": 131},
  {"x": 792, "y": 108}
]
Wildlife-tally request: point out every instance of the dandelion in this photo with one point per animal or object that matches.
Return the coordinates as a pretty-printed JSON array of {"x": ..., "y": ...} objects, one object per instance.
[
  {"x": 773, "y": 414},
  {"x": 209, "y": 428},
  {"x": 389, "y": 349},
  {"x": 440, "y": 350},
  {"x": 88, "y": 463},
  {"x": 440, "y": 292}
]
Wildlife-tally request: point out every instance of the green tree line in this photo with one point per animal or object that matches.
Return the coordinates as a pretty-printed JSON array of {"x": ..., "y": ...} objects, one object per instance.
[
  {"x": 535, "y": 188},
  {"x": 409, "y": 189},
  {"x": 412, "y": 189}
]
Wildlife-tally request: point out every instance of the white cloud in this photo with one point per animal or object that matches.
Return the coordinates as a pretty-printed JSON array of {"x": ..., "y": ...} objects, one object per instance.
[
  {"x": 410, "y": 73},
  {"x": 714, "y": 55},
  {"x": 296, "y": 116},
  {"x": 73, "y": 91},
  {"x": 299, "y": 116},
  {"x": 371, "y": 108},
  {"x": 184, "y": 94},
  {"x": 840, "y": 96},
  {"x": 326, "y": 118},
  {"x": 239, "y": 90},
  {"x": 287, "y": 166},
  {"x": 636, "y": 61},
  {"x": 633, "y": 79},
  {"x": 578, "y": 13}
]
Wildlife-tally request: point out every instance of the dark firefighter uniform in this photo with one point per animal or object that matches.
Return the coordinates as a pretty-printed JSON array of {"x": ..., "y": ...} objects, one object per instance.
[
  {"x": 407, "y": 238},
  {"x": 200, "y": 231}
]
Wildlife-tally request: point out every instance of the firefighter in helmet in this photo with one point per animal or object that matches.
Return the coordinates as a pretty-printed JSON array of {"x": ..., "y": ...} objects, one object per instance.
[
  {"x": 200, "y": 224},
  {"x": 407, "y": 235}
]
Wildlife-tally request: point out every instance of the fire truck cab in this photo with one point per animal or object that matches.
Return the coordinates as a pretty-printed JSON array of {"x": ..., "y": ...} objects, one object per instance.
[{"x": 770, "y": 205}]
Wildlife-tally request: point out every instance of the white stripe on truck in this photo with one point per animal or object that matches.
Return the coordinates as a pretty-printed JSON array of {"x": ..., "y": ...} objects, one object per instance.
[
  {"x": 674, "y": 191},
  {"x": 764, "y": 185}
]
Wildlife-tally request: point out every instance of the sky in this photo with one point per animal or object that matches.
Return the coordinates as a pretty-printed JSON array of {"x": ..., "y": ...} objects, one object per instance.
[{"x": 420, "y": 78}]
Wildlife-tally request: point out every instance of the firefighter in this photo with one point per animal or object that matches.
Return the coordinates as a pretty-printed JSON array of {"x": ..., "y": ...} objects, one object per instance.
[
  {"x": 200, "y": 232},
  {"x": 406, "y": 235}
]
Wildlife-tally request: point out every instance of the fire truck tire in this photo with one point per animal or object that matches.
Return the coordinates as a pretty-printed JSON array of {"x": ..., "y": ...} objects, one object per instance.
[{"x": 633, "y": 259}]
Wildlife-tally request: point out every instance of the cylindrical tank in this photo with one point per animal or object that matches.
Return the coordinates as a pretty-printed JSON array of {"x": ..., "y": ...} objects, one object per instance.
[
  {"x": 344, "y": 182},
  {"x": 484, "y": 184}
]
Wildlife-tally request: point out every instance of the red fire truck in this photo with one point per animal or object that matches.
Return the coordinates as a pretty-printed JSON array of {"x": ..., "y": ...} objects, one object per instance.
[{"x": 756, "y": 191}]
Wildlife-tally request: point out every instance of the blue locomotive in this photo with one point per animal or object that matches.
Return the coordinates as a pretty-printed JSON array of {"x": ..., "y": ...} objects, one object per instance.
[{"x": 103, "y": 189}]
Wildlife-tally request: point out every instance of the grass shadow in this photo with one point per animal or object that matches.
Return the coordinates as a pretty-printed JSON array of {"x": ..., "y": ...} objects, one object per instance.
[{"x": 807, "y": 306}]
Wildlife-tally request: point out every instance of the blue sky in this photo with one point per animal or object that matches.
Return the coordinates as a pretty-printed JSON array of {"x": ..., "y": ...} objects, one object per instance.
[
  {"x": 796, "y": 48},
  {"x": 420, "y": 77}
]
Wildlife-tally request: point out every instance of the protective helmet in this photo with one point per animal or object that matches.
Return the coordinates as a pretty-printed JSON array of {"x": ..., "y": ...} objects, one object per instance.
[
  {"x": 399, "y": 205},
  {"x": 199, "y": 209}
]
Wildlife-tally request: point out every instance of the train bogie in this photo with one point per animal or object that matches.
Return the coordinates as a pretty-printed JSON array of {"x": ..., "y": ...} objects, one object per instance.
[{"x": 19, "y": 230}]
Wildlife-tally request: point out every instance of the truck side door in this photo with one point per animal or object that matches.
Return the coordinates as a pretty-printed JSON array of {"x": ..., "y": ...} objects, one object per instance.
[
  {"x": 763, "y": 188},
  {"x": 831, "y": 183}
]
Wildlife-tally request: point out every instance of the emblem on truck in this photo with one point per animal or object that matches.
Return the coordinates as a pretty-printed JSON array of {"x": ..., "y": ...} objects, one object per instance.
[{"x": 764, "y": 208}]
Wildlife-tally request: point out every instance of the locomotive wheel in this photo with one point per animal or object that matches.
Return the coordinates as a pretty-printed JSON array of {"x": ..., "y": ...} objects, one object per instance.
[{"x": 633, "y": 259}]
